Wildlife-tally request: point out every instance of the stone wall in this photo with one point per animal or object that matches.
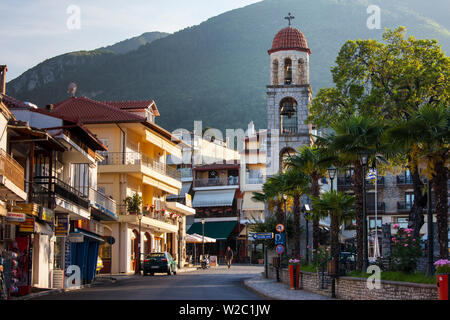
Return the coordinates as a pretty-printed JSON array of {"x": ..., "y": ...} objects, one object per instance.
[{"x": 350, "y": 288}]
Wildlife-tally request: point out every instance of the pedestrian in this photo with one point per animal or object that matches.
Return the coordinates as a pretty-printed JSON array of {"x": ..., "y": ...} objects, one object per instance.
[{"x": 229, "y": 256}]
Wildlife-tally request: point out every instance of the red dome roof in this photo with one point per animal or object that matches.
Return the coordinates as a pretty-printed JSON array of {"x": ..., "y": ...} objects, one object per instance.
[{"x": 289, "y": 39}]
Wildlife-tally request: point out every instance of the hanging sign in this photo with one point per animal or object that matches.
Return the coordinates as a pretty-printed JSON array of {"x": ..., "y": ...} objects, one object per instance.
[
  {"x": 27, "y": 225},
  {"x": 62, "y": 226},
  {"x": 15, "y": 217},
  {"x": 47, "y": 214}
]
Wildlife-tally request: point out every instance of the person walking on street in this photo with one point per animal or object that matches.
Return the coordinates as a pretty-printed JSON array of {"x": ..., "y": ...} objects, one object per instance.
[{"x": 229, "y": 257}]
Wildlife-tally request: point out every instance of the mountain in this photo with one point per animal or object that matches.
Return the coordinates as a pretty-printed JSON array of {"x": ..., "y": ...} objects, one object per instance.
[
  {"x": 217, "y": 71},
  {"x": 131, "y": 44}
]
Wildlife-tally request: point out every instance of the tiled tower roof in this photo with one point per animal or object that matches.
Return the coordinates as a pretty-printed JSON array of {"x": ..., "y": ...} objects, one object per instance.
[{"x": 289, "y": 39}]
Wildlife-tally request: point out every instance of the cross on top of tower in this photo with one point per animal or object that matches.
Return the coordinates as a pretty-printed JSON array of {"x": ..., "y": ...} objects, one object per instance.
[{"x": 289, "y": 18}]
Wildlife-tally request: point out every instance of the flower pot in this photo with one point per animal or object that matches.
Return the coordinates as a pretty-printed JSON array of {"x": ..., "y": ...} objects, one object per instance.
[
  {"x": 442, "y": 284},
  {"x": 294, "y": 273}
]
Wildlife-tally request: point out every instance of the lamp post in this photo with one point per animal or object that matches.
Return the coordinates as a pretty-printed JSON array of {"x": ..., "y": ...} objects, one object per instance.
[
  {"x": 331, "y": 174},
  {"x": 203, "y": 238},
  {"x": 285, "y": 222},
  {"x": 138, "y": 269},
  {"x": 305, "y": 209},
  {"x": 363, "y": 155},
  {"x": 430, "y": 240}
]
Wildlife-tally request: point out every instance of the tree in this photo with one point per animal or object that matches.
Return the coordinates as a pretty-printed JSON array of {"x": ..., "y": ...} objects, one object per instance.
[
  {"x": 339, "y": 207},
  {"x": 350, "y": 137},
  {"x": 296, "y": 183},
  {"x": 311, "y": 161},
  {"x": 426, "y": 138},
  {"x": 272, "y": 193}
]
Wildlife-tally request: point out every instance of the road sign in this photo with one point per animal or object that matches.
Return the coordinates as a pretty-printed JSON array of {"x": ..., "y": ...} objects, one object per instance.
[
  {"x": 279, "y": 249},
  {"x": 280, "y": 238},
  {"x": 262, "y": 235},
  {"x": 279, "y": 227}
]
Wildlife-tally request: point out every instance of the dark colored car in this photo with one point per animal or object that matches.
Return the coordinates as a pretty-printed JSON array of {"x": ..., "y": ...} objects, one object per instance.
[{"x": 159, "y": 262}]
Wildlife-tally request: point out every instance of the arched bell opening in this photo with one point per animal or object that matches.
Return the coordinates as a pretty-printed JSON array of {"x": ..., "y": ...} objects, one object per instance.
[
  {"x": 275, "y": 72},
  {"x": 288, "y": 116},
  {"x": 284, "y": 155},
  {"x": 287, "y": 71}
]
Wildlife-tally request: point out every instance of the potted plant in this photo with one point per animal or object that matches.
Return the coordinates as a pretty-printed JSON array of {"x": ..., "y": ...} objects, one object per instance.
[
  {"x": 442, "y": 272},
  {"x": 133, "y": 203},
  {"x": 294, "y": 272}
]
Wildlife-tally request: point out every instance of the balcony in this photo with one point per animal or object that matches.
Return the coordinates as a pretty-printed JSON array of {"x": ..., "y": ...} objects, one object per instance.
[
  {"x": 347, "y": 182},
  {"x": 254, "y": 180},
  {"x": 288, "y": 130},
  {"x": 215, "y": 182},
  {"x": 63, "y": 190},
  {"x": 159, "y": 216},
  {"x": 380, "y": 207},
  {"x": 403, "y": 206},
  {"x": 137, "y": 158},
  {"x": 404, "y": 180},
  {"x": 12, "y": 177},
  {"x": 185, "y": 173},
  {"x": 103, "y": 203}
]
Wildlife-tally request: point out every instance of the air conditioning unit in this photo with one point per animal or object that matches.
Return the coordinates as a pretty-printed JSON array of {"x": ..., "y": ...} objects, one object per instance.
[{"x": 9, "y": 232}]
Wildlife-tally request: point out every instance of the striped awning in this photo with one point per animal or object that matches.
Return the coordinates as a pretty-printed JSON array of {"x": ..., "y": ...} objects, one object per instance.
[{"x": 214, "y": 198}]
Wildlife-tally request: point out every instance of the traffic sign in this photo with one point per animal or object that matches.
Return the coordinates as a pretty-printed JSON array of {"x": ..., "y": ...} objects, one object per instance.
[
  {"x": 262, "y": 235},
  {"x": 279, "y": 227},
  {"x": 279, "y": 249},
  {"x": 280, "y": 238}
]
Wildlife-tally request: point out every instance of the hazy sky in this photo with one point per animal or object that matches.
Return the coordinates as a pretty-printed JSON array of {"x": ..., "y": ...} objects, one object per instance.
[{"x": 35, "y": 30}]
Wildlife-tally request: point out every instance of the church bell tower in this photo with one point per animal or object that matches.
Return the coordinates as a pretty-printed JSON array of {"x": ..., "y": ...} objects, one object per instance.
[{"x": 288, "y": 96}]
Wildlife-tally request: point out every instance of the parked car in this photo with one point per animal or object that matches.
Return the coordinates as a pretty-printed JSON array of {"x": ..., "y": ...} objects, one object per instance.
[{"x": 159, "y": 262}]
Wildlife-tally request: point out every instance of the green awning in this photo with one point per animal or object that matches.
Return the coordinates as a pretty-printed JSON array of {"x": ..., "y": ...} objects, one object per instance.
[{"x": 216, "y": 230}]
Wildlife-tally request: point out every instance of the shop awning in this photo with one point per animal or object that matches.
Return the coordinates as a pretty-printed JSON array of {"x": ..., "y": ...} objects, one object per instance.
[
  {"x": 214, "y": 198},
  {"x": 89, "y": 235},
  {"x": 196, "y": 238},
  {"x": 249, "y": 204},
  {"x": 216, "y": 230}
]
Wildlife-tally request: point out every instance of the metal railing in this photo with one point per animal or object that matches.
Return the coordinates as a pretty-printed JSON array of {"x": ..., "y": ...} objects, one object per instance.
[
  {"x": 64, "y": 190},
  {"x": 403, "y": 179},
  {"x": 254, "y": 180},
  {"x": 371, "y": 207},
  {"x": 212, "y": 182},
  {"x": 153, "y": 215},
  {"x": 102, "y": 202},
  {"x": 185, "y": 172},
  {"x": 12, "y": 170},
  {"x": 289, "y": 129},
  {"x": 346, "y": 182},
  {"x": 137, "y": 158}
]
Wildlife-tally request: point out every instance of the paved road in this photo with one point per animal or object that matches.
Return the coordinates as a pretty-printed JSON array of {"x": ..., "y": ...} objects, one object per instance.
[{"x": 211, "y": 284}]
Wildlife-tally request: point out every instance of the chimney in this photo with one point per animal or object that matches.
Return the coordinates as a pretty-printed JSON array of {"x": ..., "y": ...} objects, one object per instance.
[
  {"x": 49, "y": 107},
  {"x": 3, "y": 70}
]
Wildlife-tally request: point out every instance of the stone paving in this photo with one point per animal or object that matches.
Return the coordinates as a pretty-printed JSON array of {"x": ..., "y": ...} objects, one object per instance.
[{"x": 271, "y": 289}]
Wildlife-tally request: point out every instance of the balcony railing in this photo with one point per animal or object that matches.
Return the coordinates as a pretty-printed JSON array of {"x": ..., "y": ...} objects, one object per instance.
[
  {"x": 347, "y": 182},
  {"x": 371, "y": 207},
  {"x": 254, "y": 180},
  {"x": 214, "y": 182},
  {"x": 64, "y": 190},
  {"x": 289, "y": 130},
  {"x": 11, "y": 169},
  {"x": 402, "y": 180},
  {"x": 403, "y": 206},
  {"x": 137, "y": 158},
  {"x": 153, "y": 215},
  {"x": 102, "y": 202},
  {"x": 185, "y": 172}
]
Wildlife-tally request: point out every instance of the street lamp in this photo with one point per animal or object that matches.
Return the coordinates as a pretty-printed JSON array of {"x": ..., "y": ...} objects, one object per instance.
[
  {"x": 363, "y": 155},
  {"x": 285, "y": 222},
  {"x": 305, "y": 209},
  {"x": 138, "y": 269},
  {"x": 331, "y": 174},
  {"x": 203, "y": 238}
]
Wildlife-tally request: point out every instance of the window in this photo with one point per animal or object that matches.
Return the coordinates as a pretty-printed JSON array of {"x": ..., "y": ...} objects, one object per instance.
[
  {"x": 402, "y": 222},
  {"x": 372, "y": 223},
  {"x": 80, "y": 177},
  {"x": 213, "y": 174}
]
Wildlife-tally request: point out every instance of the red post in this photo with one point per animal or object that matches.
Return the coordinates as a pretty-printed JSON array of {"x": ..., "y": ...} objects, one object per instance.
[
  {"x": 442, "y": 284},
  {"x": 294, "y": 273}
]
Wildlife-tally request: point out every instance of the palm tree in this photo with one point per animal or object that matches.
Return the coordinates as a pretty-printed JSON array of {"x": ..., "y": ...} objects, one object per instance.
[
  {"x": 339, "y": 207},
  {"x": 311, "y": 160},
  {"x": 426, "y": 138},
  {"x": 296, "y": 183},
  {"x": 272, "y": 193},
  {"x": 351, "y": 136}
]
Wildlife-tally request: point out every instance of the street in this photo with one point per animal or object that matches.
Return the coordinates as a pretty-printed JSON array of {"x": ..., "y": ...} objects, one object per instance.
[{"x": 212, "y": 284}]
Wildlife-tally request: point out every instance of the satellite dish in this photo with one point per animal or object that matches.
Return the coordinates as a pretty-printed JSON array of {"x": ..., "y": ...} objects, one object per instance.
[{"x": 72, "y": 88}]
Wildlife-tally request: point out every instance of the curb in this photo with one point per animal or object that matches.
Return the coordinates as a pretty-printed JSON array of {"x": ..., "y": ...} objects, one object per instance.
[{"x": 260, "y": 293}]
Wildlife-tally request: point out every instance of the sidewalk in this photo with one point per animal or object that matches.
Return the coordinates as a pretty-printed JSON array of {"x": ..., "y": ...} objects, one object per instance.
[
  {"x": 100, "y": 279},
  {"x": 273, "y": 290}
]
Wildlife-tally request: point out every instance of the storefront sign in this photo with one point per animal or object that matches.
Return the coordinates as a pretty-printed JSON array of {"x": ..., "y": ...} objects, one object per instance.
[
  {"x": 76, "y": 237},
  {"x": 91, "y": 226},
  {"x": 15, "y": 217},
  {"x": 27, "y": 225},
  {"x": 31, "y": 209},
  {"x": 62, "y": 226},
  {"x": 47, "y": 214},
  {"x": 188, "y": 198}
]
